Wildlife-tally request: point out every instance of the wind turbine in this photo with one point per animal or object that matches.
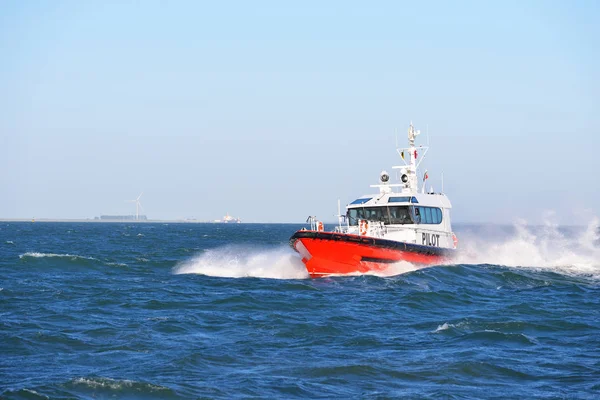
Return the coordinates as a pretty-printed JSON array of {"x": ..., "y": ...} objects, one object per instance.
[{"x": 138, "y": 205}]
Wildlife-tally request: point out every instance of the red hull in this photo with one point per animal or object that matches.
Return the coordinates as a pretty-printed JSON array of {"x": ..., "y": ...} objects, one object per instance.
[{"x": 328, "y": 253}]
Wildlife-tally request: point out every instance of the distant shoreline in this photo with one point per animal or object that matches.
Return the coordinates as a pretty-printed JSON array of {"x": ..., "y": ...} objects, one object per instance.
[
  {"x": 102, "y": 221},
  {"x": 146, "y": 221}
]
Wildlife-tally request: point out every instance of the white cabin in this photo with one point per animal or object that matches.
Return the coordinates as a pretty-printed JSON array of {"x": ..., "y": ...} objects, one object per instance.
[{"x": 405, "y": 215}]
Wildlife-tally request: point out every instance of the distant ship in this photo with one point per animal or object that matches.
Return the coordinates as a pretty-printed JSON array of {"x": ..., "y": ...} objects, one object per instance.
[{"x": 228, "y": 219}]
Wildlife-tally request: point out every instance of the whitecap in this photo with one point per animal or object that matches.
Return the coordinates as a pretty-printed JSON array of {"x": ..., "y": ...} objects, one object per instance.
[
  {"x": 114, "y": 384},
  {"x": 33, "y": 392},
  {"x": 445, "y": 326},
  {"x": 42, "y": 255},
  {"x": 116, "y": 264}
]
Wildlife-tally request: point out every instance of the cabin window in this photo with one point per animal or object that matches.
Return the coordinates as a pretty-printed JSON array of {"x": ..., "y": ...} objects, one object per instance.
[
  {"x": 416, "y": 214},
  {"x": 403, "y": 199},
  {"x": 353, "y": 215},
  {"x": 427, "y": 215},
  {"x": 374, "y": 213},
  {"x": 399, "y": 215},
  {"x": 387, "y": 215},
  {"x": 361, "y": 201},
  {"x": 399, "y": 200}
]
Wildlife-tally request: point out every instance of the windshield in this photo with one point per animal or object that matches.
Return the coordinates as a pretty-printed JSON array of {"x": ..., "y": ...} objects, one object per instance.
[{"x": 386, "y": 214}]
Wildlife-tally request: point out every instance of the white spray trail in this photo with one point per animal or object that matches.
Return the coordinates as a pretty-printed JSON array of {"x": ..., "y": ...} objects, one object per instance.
[
  {"x": 240, "y": 262},
  {"x": 545, "y": 247}
]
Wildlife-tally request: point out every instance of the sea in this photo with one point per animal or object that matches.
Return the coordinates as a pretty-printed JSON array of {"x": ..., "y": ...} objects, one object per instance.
[{"x": 223, "y": 311}]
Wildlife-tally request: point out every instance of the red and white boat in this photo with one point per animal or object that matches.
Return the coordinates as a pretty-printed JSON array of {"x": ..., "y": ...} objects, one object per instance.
[{"x": 400, "y": 223}]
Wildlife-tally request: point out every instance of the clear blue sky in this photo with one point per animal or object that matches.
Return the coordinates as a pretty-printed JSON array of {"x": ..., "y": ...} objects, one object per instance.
[{"x": 271, "y": 111}]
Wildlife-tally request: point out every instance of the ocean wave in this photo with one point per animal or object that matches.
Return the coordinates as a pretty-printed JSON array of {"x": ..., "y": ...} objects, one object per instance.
[
  {"x": 23, "y": 394},
  {"x": 493, "y": 336},
  {"x": 474, "y": 331},
  {"x": 115, "y": 384},
  {"x": 116, "y": 264},
  {"x": 344, "y": 370},
  {"x": 68, "y": 258},
  {"x": 444, "y": 327},
  {"x": 118, "y": 388},
  {"x": 487, "y": 370},
  {"x": 52, "y": 255}
]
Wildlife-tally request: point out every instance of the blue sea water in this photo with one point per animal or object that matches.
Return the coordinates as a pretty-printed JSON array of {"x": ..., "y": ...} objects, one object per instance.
[{"x": 180, "y": 311}]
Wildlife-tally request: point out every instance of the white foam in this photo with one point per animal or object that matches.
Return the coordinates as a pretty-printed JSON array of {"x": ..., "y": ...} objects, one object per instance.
[
  {"x": 399, "y": 268},
  {"x": 33, "y": 392},
  {"x": 41, "y": 255},
  {"x": 103, "y": 383},
  {"x": 116, "y": 264},
  {"x": 445, "y": 326},
  {"x": 537, "y": 247},
  {"x": 240, "y": 262},
  {"x": 114, "y": 384},
  {"x": 402, "y": 267}
]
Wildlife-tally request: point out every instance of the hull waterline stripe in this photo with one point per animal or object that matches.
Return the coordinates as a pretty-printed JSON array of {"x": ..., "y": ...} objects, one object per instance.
[{"x": 379, "y": 260}]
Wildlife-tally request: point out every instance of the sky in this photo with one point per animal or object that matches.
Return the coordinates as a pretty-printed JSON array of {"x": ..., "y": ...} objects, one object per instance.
[{"x": 272, "y": 111}]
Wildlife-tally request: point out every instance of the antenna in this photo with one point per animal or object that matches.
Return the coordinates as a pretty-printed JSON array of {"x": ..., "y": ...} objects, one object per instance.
[
  {"x": 339, "y": 215},
  {"x": 442, "y": 181}
]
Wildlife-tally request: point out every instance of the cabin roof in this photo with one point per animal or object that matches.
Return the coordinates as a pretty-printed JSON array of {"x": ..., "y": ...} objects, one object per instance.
[{"x": 396, "y": 199}]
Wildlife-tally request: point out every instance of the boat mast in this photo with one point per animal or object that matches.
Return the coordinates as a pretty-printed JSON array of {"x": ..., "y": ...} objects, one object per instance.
[
  {"x": 412, "y": 171},
  {"x": 408, "y": 172}
]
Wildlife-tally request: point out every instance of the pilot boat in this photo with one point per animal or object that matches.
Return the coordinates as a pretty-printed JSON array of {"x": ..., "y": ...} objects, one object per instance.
[{"x": 400, "y": 223}]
